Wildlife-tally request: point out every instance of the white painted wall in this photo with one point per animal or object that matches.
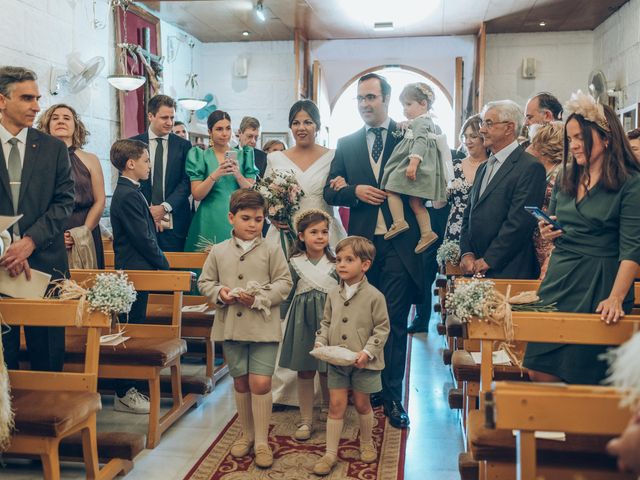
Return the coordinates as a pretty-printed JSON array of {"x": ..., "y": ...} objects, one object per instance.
[
  {"x": 39, "y": 34},
  {"x": 267, "y": 92},
  {"x": 616, "y": 50},
  {"x": 563, "y": 63},
  {"x": 343, "y": 59}
]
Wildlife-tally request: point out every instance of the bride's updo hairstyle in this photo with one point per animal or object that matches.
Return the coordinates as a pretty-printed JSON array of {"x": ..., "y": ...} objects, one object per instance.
[{"x": 309, "y": 107}]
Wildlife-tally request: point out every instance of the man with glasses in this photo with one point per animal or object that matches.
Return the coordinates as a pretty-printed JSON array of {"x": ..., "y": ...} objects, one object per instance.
[
  {"x": 497, "y": 232},
  {"x": 35, "y": 182},
  {"x": 359, "y": 160}
]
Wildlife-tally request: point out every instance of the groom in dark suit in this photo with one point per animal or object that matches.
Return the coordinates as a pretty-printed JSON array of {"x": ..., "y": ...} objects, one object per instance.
[
  {"x": 168, "y": 188},
  {"x": 360, "y": 159},
  {"x": 497, "y": 232},
  {"x": 35, "y": 181}
]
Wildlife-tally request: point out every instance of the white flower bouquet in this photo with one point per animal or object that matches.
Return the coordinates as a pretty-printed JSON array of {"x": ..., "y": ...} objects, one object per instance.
[
  {"x": 449, "y": 251},
  {"x": 111, "y": 293},
  {"x": 283, "y": 193}
]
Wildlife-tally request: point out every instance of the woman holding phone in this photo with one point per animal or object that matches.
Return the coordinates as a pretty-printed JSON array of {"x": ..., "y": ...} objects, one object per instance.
[
  {"x": 215, "y": 173},
  {"x": 597, "y": 253}
]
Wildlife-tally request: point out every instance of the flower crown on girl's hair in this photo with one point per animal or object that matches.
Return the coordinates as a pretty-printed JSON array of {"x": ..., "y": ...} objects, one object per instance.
[
  {"x": 313, "y": 211},
  {"x": 425, "y": 90},
  {"x": 586, "y": 106}
]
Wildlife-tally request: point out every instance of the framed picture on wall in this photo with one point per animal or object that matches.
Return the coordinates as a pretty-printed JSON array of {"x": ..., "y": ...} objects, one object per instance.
[{"x": 280, "y": 136}]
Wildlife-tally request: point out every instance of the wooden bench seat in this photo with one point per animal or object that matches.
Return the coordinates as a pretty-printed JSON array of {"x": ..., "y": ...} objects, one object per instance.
[
  {"x": 149, "y": 350},
  {"x": 153, "y": 352},
  {"x": 122, "y": 445},
  {"x": 52, "y": 406},
  {"x": 465, "y": 369},
  {"x": 52, "y": 413},
  {"x": 191, "y": 384}
]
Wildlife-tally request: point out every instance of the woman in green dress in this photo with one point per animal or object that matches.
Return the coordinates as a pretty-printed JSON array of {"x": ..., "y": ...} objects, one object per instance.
[
  {"x": 597, "y": 252},
  {"x": 214, "y": 177}
]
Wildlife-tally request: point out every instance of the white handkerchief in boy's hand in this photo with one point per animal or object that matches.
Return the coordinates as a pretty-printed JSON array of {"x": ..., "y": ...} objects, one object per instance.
[
  {"x": 335, "y": 355},
  {"x": 20, "y": 287}
]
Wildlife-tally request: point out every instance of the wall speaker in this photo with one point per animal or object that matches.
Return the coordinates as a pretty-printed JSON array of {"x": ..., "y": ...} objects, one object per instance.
[
  {"x": 241, "y": 67},
  {"x": 528, "y": 67}
]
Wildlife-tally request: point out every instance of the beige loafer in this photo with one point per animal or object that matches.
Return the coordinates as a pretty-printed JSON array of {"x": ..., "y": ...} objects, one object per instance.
[
  {"x": 264, "y": 456},
  {"x": 425, "y": 241},
  {"x": 396, "y": 229},
  {"x": 368, "y": 453},
  {"x": 325, "y": 465},
  {"x": 303, "y": 432},
  {"x": 241, "y": 447}
]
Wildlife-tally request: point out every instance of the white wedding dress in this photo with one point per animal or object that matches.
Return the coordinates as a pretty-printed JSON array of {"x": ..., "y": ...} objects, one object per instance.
[{"x": 312, "y": 181}]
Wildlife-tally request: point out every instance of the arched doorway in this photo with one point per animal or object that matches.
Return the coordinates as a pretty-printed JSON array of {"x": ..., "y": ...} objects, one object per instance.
[{"x": 345, "y": 118}]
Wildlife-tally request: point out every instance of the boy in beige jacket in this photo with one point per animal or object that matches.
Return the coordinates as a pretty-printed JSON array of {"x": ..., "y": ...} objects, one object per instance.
[
  {"x": 355, "y": 317},
  {"x": 248, "y": 279}
]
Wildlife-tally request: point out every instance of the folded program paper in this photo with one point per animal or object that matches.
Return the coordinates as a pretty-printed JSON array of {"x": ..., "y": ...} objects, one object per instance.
[{"x": 20, "y": 287}]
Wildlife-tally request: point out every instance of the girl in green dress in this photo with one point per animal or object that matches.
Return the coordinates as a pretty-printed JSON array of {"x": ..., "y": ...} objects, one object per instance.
[
  {"x": 416, "y": 167},
  {"x": 214, "y": 176},
  {"x": 312, "y": 266},
  {"x": 597, "y": 252}
]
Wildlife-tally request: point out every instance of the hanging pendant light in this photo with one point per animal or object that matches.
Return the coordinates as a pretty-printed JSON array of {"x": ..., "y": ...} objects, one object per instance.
[
  {"x": 192, "y": 103},
  {"x": 124, "y": 81}
]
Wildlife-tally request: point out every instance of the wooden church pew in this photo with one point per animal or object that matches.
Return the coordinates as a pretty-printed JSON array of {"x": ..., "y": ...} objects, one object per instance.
[
  {"x": 150, "y": 349},
  {"x": 575, "y": 328},
  {"x": 197, "y": 327},
  {"x": 576, "y": 410},
  {"x": 51, "y": 407}
]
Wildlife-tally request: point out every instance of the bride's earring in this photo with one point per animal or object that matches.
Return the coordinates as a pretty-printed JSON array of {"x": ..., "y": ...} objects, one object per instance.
[{"x": 211, "y": 141}]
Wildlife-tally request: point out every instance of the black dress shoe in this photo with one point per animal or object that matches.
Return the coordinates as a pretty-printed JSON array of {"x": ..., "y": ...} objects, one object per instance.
[
  {"x": 394, "y": 411},
  {"x": 375, "y": 399},
  {"x": 417, "y": 328}
]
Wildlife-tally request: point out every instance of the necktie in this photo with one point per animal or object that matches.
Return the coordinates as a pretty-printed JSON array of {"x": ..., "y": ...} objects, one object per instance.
[
  {"x": 14, "y": 166},
  {"x": 157, "y": 196},
  {"x": 488, "y": 173},
  {"x": 376, "y": 150}
]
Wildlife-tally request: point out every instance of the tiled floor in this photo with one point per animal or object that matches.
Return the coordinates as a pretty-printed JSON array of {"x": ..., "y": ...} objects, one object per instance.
[{"x": 432, "y": 448}]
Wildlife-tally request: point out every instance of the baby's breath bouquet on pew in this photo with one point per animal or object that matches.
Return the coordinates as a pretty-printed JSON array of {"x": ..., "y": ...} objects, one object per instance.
[
  {"x": 111, "y": 293},
  {"x": 449, "y": 251},
  {"x": 623, "y": 370},
  {"x": 479, "y": 299}
]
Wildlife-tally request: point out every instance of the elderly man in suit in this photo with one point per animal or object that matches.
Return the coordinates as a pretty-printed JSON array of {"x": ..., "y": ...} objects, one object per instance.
[
  {"x": 497, "y": 232},
  {"x": 167, "y": 190},
  {"x": 248, "y": 135},
  {"x": 35, "y": 181},
  {"x": 397, "y": 272}
]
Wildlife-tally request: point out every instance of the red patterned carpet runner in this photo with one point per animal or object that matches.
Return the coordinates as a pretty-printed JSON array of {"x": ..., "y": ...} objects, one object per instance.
[{"x": 295, "y": 460}]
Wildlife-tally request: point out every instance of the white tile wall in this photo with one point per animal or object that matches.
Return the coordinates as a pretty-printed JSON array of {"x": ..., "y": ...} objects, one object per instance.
[
  {"x": 617, "y": 50},
  {"x": 563, "y": 63}
]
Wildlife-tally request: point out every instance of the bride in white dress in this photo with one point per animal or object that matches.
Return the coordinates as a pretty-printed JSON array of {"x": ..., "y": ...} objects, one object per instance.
[{"x": 311, "y": 163}]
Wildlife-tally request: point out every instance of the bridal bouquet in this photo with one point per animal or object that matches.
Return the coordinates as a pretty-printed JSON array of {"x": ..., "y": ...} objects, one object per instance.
[{"x": 282, "y": 192}]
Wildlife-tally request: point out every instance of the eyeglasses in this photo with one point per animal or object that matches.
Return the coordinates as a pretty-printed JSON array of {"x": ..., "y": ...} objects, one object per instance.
[
  {"x": 490, "y": 123},
  {"x": 369, "y": 97}
]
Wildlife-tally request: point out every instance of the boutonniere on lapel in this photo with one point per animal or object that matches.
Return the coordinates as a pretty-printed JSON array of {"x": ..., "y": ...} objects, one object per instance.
[{"x": 403, "y": 130}]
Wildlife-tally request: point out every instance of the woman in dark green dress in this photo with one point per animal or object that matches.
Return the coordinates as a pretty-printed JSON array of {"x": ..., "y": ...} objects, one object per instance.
[{"x": 597, "y": 252}]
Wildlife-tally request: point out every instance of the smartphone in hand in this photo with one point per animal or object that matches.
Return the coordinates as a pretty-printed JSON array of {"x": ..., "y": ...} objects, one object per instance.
[
  {"x": 543, "y": 217},
  {"x": 231, "y": 156}
]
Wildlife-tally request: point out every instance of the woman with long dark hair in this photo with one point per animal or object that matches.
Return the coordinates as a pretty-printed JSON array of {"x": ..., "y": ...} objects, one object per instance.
[
  {"x": 597, "y": 252},
  {"x": 215, "y": 174}
]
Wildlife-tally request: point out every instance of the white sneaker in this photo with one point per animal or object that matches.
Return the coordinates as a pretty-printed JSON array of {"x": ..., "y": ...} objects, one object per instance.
[{"x": 132, "y": 402}]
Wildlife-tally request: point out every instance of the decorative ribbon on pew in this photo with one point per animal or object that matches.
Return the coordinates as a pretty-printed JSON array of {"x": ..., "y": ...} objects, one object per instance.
[
  {"x": 623, "y": 370},
  {"x": 6, "y": 412},
  {"x": 478, "y": 299}
]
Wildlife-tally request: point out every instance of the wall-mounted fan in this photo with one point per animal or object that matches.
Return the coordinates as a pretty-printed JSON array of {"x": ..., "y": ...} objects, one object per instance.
[
  {"x": 77, "y": 77},
  {"x": 603, "y": 91}
]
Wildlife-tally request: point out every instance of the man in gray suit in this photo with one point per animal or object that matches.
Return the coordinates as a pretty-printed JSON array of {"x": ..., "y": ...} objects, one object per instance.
[{"x": 35, "y": 181}]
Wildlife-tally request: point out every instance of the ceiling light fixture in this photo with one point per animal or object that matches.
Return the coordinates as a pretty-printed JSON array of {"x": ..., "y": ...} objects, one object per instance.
[
  {"x": 543, "y": 24},
  {"x": 124, "y": 81},
  {"x": 383, "y": 26},
  {"x": 260, "y": 11},
  {"x": 192, "y": 103},
  {"x": 246, "y": 33}
]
